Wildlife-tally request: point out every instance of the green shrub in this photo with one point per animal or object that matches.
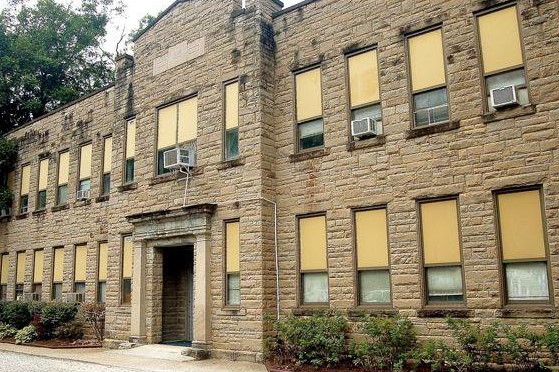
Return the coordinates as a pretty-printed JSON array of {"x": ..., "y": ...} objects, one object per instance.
[
  {"x": 550, "y": 340},
  {"x": 442, "y": 357},
  {"x": 482, "y": 345},
  {"x": 6, "y": 331},
  {"x": 522, "y": 347},
  {"x": 55, "y": 314},
  {"x": 94, "y": 314},
  {"x": 317, "y": 340},
  {"x": 26, "y": 335},
  {"x": 388, "y": 341},
  {"x": 16, "y": 314},
  {"x": 35, "y": 308},
  {"x": 69, "y": 331}
]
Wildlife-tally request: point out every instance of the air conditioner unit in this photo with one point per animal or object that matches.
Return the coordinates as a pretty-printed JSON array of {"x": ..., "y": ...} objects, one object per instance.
[
  {"x": 504, "y": 96},
  {"x": 366, "y": 127},
  {"x": 74, "y": 297},
  {"x": 31, "y": 297},
  {"x": 6, "y": 212},
  {"x": 83, "y": 194},
  {"x": 24, "y": 209},
  {"x": 179, "y": 158}
]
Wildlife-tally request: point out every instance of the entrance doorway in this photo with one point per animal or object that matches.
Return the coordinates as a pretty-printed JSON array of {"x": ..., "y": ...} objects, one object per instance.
[{"x": 178, "y": 294}]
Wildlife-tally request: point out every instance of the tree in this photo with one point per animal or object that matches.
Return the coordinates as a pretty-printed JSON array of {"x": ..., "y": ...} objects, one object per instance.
[
  {"x": 144, "y": 22},
  {"x": 50, "y": 54}
]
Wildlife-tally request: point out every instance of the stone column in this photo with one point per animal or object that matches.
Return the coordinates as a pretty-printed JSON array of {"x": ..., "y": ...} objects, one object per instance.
[
  {"x": 202, "y": 308},
  {"x": 138, "y": 310}
]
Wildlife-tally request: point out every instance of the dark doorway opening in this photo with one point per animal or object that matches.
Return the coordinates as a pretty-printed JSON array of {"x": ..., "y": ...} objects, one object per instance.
[{"x": 178, "y": 275}]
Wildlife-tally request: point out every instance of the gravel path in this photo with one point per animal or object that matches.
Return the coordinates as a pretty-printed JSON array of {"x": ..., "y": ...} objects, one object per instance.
[{"x": 13, "y": 362}]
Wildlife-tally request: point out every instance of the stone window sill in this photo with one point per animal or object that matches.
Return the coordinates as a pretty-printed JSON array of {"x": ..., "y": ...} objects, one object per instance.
[
  {"x": 526, "y": 313},
  {"x": 60, "y": 208},
  {"x": 233, "y": 311},
  {"x": 102, "y": 198},
  {"x": 443, "y": 313},
  {"x": 510, "y": 113},
  {"x": 82, "y": 203},
  {"x": 128, "y": 187},
  {"x": 306, "y": 155},
  {"x": 5, "y": 219},
  {"x": 39, "y": 212},
  {"x": 370, "y": 310},
  {"x": 228, "y": 164},
  {"x": 168, "y": 177},
  {"x": 366, "y": 143},
  {"x": 432, "y": 129},
  {"x": 22, "y": 216},
  {"x": 310, "y": 310}
]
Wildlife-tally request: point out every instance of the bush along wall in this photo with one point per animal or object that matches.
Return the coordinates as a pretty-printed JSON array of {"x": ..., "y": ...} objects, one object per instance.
[{"x": 389, "y": 343}]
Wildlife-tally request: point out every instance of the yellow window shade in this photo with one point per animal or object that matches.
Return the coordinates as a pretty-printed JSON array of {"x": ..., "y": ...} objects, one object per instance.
[
  {"x": 20, "y": 273},
  {"x": 63, "y": 168},
  {"x": 188, "y": 120},
  {"x": 4, "y": 275},
  {"x": 127, "y": 251},
  {"x": 312, "y": 241},
  {"x": 521, "y": 224},
  {"x": 232, "y": 106},
  {"x": 80, "y": 263},
  {"x": 85, "y": 162},
  {"x": 43, "y": 174},
  {"x": 363, "y": 78},
  {"x": 167, "y": 127},
  {"x": 439, "y": 226},
  {"x": 130, "y": 139},
  {"x": 25, "y": 178},
  {"x": 10, "y": 180},
  {"x": 371, "y": 238},
  {"x": 107, "y": 155},
  {"x": 309, "y": 94},
  {"x": 500, "y": 40},
  {"x": 38, "y": 265},
  {"x": 426, "y": 60},
  {"x": 58, "y": 265},
  {"x": 232, "y": 247},
  {"x": 103, "y": 261}
]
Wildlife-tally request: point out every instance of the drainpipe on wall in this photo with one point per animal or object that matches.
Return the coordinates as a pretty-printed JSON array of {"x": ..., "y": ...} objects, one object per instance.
[{"x": 275, "y": 248}]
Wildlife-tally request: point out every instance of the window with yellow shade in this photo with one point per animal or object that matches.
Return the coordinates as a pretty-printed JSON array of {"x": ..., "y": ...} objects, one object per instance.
[
  {"x": 231, "y": 143},
  {"x": 107, "y": 165},
  {"x": 80, "y": 268},
  {"x": 24, "y": 189},
  {"x": 232, "y": 270},
  {"x": 38, "y": 266},
  {"x": 363, "y": 80},
  {"x": 102, "y": 265},
  {"x": 373, "y": 267},
  {"x": 43, "y": 183},
  {"x": 4, "y": 276},
  {"x": 84, "y": 184},
  {"x": 130, "y": 151},
  {"x": 57, "y": 273},
  {"x": 308, "y": 97},
  {"x": 63, "y": 175},
  {"x": 20, "y": 274},
  {"x": 428, "y": 78},
  {"x": 313, "y": 260},
  {"x": 442, "y": 259},
  {"x": 502, "y": 58},
  {"x": 523, "y": 246},
  {"x": 127, "y": 262},
  {"x": 177, "y": 125}
]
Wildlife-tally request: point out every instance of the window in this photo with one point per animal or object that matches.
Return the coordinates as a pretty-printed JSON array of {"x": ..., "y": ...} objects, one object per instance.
[
  {"x": 80, "y": 272},
  {"x": 107, "y": 166},
  {"x": 523, "y": 246},
  {"x": 20, "y": 274},
  {"x": 428, "y": 78},
  {"x": 231, "y": 121},
  {"x": 310, "y": 125},
  {"x": 441, "y": 251},
  {"x": 313, "y": 260},
  {"x": 126, "y": 282},
  {"x": 24, "y": 190},
  {"x": 373, "y": 268},
  {"x": 232, "y": 242},
  {"x": 38, "y": 265},
  {"x": 63, "y": 171},
  {"x": 176, "y": 125},
  {"x": 57, "y": 273},
  {"x": 4, "y": 276},
  {"x": 43, "y": 182},
  {"x": 501, "y": 53},
  {"x": 129, "y": 165},
  {"x": 364, "y": 92},
  {"x": 84, "y": 184},
  {"x": 102, "y": 272}
]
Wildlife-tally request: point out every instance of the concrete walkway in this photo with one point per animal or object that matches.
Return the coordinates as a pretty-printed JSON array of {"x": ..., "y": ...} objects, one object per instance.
[{"x": 156, "y": 358}]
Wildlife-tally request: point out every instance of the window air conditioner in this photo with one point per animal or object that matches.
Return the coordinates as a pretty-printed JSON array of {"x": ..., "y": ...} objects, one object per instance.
[
  {"x": 82, "y": 194},
  {"x": 503, "y": 97},
  {"x": 179, "y": 158},
  {"x": 74, "y": 297},
  {"x": 366, "y": 127}
]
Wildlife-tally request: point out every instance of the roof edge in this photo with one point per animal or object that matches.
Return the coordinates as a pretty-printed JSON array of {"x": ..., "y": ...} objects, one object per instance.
[
  {"x": 293, "y": 7},
  {"x": 157, "y": 19}
]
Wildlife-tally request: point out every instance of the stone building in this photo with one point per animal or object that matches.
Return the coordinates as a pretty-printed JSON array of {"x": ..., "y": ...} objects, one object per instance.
[{"x": 445, "y": 201}]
